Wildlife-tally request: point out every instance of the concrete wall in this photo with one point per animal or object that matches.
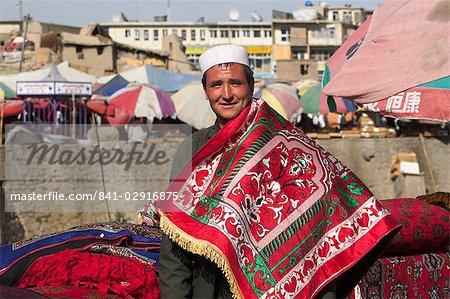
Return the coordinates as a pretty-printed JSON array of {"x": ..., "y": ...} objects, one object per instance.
[
  {"x": 35, "y": 217},
  {"x": 90, "y": 60},
  {"x": 178, "y": 60},
  {"x": 369, "y": 158},
  {"x": 36, "y": 29},
  {"x": 290, "y": 70}
]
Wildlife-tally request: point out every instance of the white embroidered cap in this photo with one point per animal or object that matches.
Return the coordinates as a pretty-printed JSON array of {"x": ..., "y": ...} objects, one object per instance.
[{"x": 223, "y": 54}]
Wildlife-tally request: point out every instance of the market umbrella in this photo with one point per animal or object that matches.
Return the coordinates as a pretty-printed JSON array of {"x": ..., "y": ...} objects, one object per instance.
[
  {"x": 281, "y": 97},
  {"x": 109, "y": 88},
  {"x": 54, "y": 75},
  {"x": 315, "y": 102},
  {"x": 100, "y": 106},
  {"x": 304, "y": 85},
  {"x": 142, "y": 100},
  {"x": 398, "y": 58},
  {"x": 8, "y": 108},
  {"x": 166, "y": 80},
  {"x": 6, "y": 92},
  {"x": 70, "y": 74},
  {"x": 192, "y": 107}
]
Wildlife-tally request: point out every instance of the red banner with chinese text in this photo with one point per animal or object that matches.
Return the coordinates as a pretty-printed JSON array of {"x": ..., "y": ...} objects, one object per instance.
[{"x": 415, "y": 103}]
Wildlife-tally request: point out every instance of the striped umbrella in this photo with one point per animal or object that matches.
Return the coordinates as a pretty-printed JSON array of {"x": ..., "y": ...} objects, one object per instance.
[
  {"x": 315, "y": 102},
  {"x": 281, "y": 97},
  {"x": 6, "y": 92},
  {"x": 142, "y": 100}
]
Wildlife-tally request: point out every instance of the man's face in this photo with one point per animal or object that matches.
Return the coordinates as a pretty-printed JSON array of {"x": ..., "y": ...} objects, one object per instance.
[{"x": 228, "y": 91}]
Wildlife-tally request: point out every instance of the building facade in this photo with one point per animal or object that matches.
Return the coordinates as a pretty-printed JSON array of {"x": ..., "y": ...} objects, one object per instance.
[
  {"x": 196, "y": 38},
  {"x": 307, "y": 41},
  {"x": 87, "y": 53},
  {"x": 304, "y": 40},
  {"x": 347, "y": 14}
]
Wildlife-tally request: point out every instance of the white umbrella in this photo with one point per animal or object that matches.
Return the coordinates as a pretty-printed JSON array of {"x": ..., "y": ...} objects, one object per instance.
[
  {"x": 18, "y": 40},
  {"x": 192, "y": 107}
]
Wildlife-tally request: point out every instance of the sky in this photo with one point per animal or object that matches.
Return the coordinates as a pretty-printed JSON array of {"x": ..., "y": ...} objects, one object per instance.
[{"x": 82, "y": 12}]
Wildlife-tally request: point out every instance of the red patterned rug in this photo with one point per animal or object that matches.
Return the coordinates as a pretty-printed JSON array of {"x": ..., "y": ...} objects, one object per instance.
[
  {"x": 277, "y": 213},
  {"x": 410, "y": 276}
]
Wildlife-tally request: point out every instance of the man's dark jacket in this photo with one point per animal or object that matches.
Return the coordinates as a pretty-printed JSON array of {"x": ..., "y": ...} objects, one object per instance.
[{"x": 183, "y": 274}]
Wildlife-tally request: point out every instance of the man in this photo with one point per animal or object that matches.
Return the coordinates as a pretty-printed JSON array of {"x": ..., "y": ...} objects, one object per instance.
[
  {"x": 263, "y": 211},
  {"x": 229, "y": 89}
]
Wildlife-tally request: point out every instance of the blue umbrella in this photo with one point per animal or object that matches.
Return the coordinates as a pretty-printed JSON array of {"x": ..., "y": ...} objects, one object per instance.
[{"x": 109, "y": 88}]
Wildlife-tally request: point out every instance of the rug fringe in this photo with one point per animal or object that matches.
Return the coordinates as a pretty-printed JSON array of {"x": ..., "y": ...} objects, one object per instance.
[{"x": 203, "y": 248}]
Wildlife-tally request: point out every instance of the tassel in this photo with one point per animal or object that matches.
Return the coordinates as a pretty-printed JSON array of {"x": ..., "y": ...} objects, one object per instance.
[{"x": 203, "y": 248}]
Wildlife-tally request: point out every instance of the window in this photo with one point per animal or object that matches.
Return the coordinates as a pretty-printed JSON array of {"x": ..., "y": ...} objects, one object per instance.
[
  {"x": 347, "y": 17},
  {"x": 335, "y": 16},
  {"x": 79, "y": 50},
  {"x": 137, "y": 34},
  {"x": 320, "y": 33},
  {"x": 165, "y": 32},
  {"x": 259, "y": 62},
  {"x": 127, "y": 33},
  {"x": 246, "y": 33},
  {"x": 202, "y": 34},
  {"x": 213, "y": 33},
  {"x": 155, "y": 34},
  {"x": 256, "y": 33},
  {"x": 304, "y": 69},
  {"x": 183, "y": 34},
  {"x": 298, "y": 54},
  {"x": 267, "y": 33},
  {"x": 192, "y": 35},
  {"x": 223, "y": 33},
  {"x": 331, "y": 32},
  {"x": 146, "y": 35},
  {"x": 357, "y": 17},
  {"x": 285, "y": 34},
  {"x": 194, "y": 61},
  {"x": 320, "y": 75},
  {"x": 320, "y": 55},
  {"x": 174, "y": 32},
  {"x": 235, "y": 33}
]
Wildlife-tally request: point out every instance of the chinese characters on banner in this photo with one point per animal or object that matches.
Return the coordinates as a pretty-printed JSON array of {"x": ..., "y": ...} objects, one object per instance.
[
  {"x": 415, "y": 103},
  {"x": 404, "y": 102}
]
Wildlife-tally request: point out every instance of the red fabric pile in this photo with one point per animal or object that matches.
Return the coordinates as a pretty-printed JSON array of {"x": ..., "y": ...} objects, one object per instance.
[{"x": 126, "y": 277}]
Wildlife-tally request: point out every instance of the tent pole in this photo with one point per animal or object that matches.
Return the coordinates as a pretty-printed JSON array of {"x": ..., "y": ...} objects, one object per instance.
[
  {"x": 27, "y": 18},
  {"x": 73, "y": 115},
  {"x": 1, "y": 121},
  {"x": 55, "y": 120}
]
